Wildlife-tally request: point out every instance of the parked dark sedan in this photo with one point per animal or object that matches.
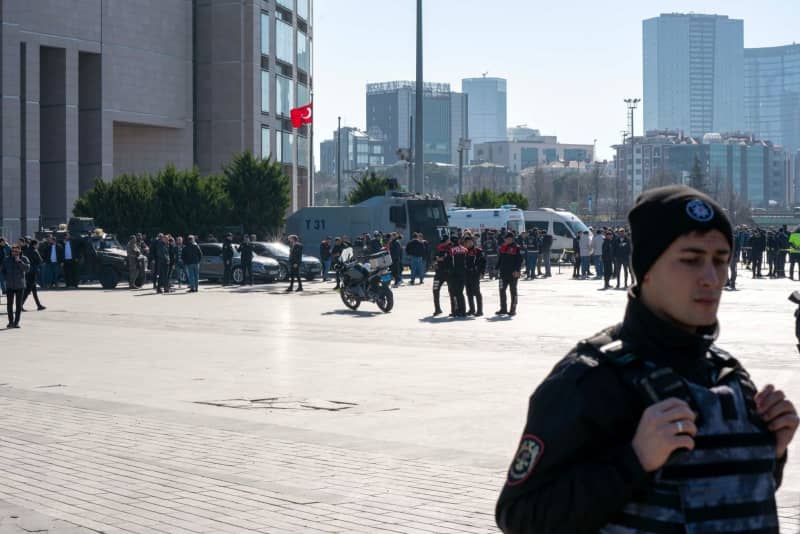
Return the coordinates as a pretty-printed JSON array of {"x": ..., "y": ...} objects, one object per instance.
[
  {"x": 310, "y": 268},
  {"x": 211, "y": 268}
]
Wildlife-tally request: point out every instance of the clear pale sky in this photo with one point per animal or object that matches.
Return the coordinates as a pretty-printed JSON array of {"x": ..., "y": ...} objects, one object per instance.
[{"x": 569, "y": 64}]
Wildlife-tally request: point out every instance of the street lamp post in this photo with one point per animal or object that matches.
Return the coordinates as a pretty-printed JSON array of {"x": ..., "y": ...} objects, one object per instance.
[
  {"x": 339, "y": 162},
  {"x": 419, "y": 149},
  {"x": 463, "y": 144},
  {"x": 632, "y": 103}
]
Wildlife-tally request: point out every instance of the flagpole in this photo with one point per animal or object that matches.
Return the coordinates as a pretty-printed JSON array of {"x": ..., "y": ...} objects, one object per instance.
[
  {"x": 311, "y": 98},
  {"x": 294, "y": 172},
  {"x": 311, "y": 162}
]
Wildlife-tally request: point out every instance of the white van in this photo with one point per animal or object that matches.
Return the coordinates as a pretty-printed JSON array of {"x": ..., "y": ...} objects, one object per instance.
[
  {"x": 561, "y": 224},
  {"x": 506, "y": 217}
]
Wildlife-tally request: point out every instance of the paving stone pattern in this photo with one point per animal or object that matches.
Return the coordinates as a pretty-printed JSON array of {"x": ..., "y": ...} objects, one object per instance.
[
  {"x": 221, "y": 412},
  {"x": 118, "y": 473}
]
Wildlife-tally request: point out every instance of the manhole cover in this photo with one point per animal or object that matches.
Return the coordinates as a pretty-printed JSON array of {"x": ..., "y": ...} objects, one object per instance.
[{"x": 278, "y": 403}]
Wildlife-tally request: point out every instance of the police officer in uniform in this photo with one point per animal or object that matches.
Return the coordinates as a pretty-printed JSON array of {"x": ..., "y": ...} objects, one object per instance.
[
  {"x": 476, "y": 266},
  {"x": 440, "y": 272},
  {"x": 649, "y": 427},
  {"x": 456, "y": 260},
  {"x": 509, "y": 264}
]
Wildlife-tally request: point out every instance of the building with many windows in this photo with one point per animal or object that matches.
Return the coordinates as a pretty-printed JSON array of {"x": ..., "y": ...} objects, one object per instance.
[
  {"x": 487, "y": 108},
  {"x": 359, "y": 152},
  {"x": 391, "y": 106},
  {"x": 693, "y": 73},
  {"x": 108, "y": 87},
  {"x": 772, "y": 94},
  {"x": 531, "y": 151},
  {"x": 254, "y": 64},
  {"x": 755, "y": 170}
]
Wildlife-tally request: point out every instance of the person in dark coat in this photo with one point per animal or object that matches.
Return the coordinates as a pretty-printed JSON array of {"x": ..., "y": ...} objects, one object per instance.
[
  {"x": 295, "y": 260},
  {"x": 608, "y": 259},
  {"x": 53, "y": 258},
  {"x": 173, "y": 260},
  {"x": 31, "y": 251},
  {"x": 374, "y": 244},
  {"x": 325, "y": 257},
  {"x": 227, "y": 260},
  {"x": 161, "y": 256},
  {"x": 192, "y": 254},
  {"x": 246, "y": 253},
  {"x": 396, "y": 252},
  {"x": 622, "y": 256},
  {"x": 14, "y": 268},
  {"x": 70, "y": 265},
  {"x": 758, "y": 243},
  {"x": 576, "y": 256},
  {"x": 336, "y": 253}
]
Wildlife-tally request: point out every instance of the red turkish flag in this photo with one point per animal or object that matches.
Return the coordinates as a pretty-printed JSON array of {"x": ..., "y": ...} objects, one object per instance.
[{"x": 302, "y": 115}]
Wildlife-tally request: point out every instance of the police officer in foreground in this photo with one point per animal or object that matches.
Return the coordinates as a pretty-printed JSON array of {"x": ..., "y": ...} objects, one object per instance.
[{"x": 649, "y": 427}]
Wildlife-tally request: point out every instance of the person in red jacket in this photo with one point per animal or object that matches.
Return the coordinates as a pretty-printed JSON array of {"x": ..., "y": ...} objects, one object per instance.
[
  {"x": 509, "y": 263},
  {"x": 440, "y": 272}
]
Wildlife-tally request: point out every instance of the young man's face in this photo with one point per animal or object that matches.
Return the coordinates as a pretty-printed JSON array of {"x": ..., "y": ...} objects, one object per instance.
[{"x": 685, "y": 283}]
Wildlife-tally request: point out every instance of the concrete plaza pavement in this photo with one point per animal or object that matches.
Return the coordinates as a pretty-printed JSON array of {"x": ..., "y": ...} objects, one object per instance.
[{"x": 251, "y": 410}]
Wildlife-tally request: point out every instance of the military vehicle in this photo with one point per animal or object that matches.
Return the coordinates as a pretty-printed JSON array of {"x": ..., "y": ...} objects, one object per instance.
[
  {"x": 405, "y": 213},
  {"x": 100, "y": 257}
]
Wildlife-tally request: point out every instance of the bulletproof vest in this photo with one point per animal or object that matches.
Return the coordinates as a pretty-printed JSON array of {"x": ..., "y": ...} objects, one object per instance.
[
  {"x": 490, "y": 246},
  {"x": 532, "y": 243},
  {"x": 726, "y": 484}
]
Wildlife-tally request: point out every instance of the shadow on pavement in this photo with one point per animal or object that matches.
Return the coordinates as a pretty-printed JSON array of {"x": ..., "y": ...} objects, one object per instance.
[
  {"x": 445, "y": 319},
  {"x": 353, "y": 313},
  {"x": 497, "y": 318}
]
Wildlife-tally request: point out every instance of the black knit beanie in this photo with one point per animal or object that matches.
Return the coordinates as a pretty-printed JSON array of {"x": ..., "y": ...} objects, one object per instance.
[{"x": 663, "y": 214}]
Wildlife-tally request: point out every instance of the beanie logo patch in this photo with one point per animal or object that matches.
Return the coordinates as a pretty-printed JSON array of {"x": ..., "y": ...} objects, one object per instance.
[{"x": 699, "y": 210}]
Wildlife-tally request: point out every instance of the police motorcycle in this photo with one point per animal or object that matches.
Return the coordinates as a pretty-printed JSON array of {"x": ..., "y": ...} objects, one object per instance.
[{"x": 365, "y": 281}]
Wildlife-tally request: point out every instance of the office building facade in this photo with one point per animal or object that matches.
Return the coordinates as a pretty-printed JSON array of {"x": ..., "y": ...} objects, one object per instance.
[
  {"x": 693, "y": 73},
  {"x": 109, "y": 87},
  {"x": 533, "y": 151},
  {"x": 755, "y": 170},
  {"x": 772, "y": 94},
  {"x": 487, "y": 108},
  {"x": 359, "y": 152},
  {"x": 391, "y": 106}
]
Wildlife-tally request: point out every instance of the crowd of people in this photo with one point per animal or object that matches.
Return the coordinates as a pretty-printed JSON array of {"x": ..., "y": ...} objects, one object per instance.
[{"x": 459, "y": 261}]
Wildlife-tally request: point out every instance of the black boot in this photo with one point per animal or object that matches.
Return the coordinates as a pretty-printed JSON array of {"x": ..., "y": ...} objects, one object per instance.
[{"x": 479, "y": 299}]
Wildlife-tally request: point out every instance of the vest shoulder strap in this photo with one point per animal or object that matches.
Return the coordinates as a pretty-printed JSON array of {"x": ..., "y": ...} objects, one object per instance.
[{"x": 605, "y": 346}]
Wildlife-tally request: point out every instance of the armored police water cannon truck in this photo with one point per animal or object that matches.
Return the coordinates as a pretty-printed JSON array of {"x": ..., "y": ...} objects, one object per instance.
[{"x": 405, "y": 213}]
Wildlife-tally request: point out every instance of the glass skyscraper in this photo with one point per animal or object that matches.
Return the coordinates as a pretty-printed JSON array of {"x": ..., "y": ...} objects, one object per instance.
[
  {"x": 391, "y": 105},
  {"x": 487, "y": 108},
  {"x": 693, "y": 73},
  {"x": 772, "y": 94}
]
